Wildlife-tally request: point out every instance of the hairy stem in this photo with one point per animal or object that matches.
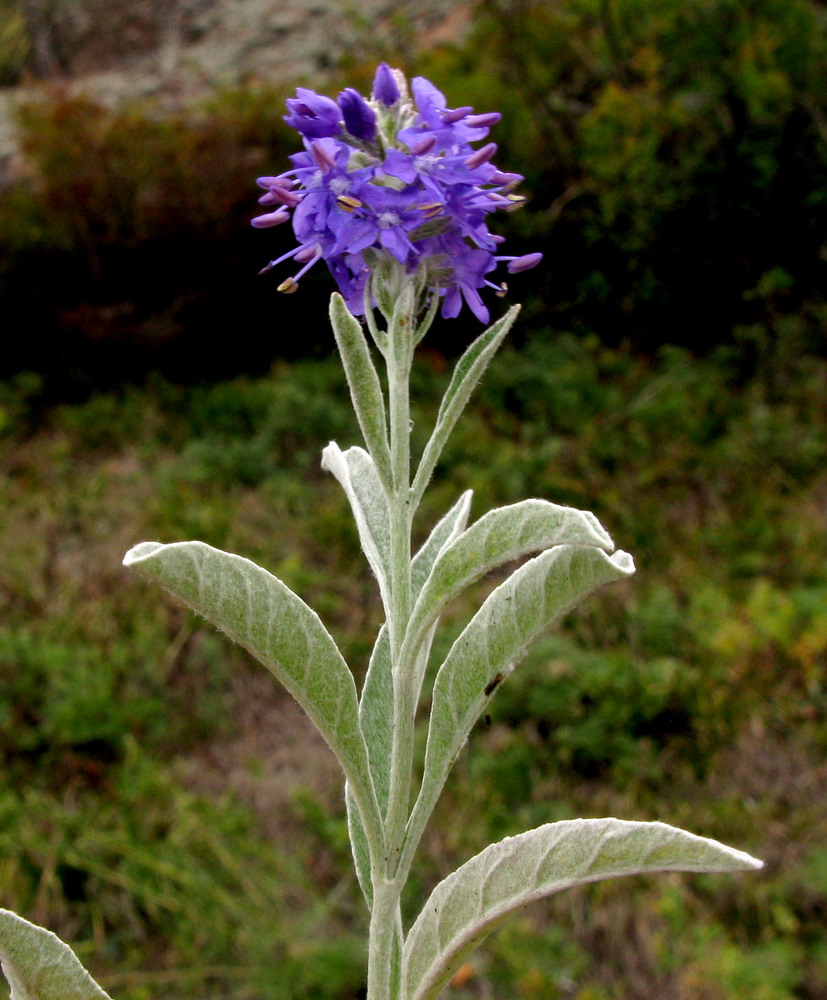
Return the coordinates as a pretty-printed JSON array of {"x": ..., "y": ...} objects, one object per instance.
[
  {"x": 399, "y": 366},
  {"x": 385, "y": 942},
  {"x": 386, "y": 924}
]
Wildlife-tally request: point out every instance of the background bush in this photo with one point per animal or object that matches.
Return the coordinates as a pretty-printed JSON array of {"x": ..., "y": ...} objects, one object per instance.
[{"x": 676, "y": 166}]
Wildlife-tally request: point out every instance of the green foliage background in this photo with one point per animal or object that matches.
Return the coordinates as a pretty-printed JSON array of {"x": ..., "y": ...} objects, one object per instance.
[{"x": 669, "y": 375}]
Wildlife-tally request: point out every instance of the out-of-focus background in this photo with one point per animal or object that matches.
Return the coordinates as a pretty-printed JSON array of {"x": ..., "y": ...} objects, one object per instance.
[{"x": 163, "y": 805}]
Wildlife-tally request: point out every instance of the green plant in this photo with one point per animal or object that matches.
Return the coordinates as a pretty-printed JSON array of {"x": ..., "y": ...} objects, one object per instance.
[{"x": 373, "y": 737}]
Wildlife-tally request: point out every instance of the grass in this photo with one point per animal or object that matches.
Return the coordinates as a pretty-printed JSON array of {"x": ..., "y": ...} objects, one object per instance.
[{"x": 166, "y": 808}]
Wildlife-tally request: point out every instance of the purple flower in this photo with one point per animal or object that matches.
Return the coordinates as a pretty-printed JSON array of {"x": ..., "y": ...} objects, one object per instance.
[
  {"x": 394, "y": 177},
  {"x": 470, "y": 268}
]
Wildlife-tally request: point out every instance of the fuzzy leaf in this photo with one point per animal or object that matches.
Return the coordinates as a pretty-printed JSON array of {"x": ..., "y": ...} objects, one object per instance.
[
  {"x": 365, "y": 389},
  {"x": 500, "y": 536},
  {"x": 356, "y": 473},
  {"x": 443, "y": 534},
  {"x": 376, "y": 721},
  {"x": 466, "y": 906},
  {"x": 376, "y": 715},
  {"x": 264, "y": 616},
  {"x": 359, "y": 846},
  {"x": 528, "y": 602},
  {"x": 469, "y": 370},
  {"x": 39, "y": 966}
]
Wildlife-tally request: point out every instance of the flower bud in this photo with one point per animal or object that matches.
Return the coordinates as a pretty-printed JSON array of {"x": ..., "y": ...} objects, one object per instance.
[
  {"x": 385, "y": 88},
  {"x": 311, "y": 114},
  {"x": 359, "y": 116}
]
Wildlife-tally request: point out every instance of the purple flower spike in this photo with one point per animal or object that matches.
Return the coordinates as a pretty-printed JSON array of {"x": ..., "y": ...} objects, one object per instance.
[
  {"x": 385, "y": 88},
  {"x": 417, "y": 191},
  {"x": 359, "y": 116}
]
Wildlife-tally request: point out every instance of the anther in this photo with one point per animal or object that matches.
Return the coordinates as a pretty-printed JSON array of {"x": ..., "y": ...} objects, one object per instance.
[
  {"x": 483, "y": 121},
  {"x": 322, "y": 156},
  {"x": 482, "y": 155},
  {"x": 449, "y": 117},
  {"x": 431, "y": 210},
  {"x": 424, "y": 145},
  {"x": 348, "y": 202},
  {"x": 271, "y": 219}
]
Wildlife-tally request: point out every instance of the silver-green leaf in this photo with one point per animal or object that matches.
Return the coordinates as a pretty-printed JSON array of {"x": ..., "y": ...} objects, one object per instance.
[
  {"x": 442, "y": 535},
  {"x": 365, "y": 388},
  {"x": 498, "y": 537},
  {"x": 376, "y": 721},
  {"x": 357, "y": 475},
  {"x": 376, "y": 715},
  {"x": 39, "y": 966},
  {"x": 265, "y": 617},
  {"x": 359, "y": 846},
  {"x": 466, "y": 906},
  {"x": 521, "y": 608}
]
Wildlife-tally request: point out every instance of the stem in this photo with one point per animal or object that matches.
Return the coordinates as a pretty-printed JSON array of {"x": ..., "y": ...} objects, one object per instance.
[
  {"x": 385, "y": 942},
  {"x": 386, "y": 924},
  {"x": 399, "y": 367}
]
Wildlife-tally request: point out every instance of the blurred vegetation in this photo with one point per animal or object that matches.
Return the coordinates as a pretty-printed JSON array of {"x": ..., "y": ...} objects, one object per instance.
[
  {"x": 147, "y": 813},
  {"x": 127, "y": 246},
  {"x": 676, "y": 166},
  {"x": 675, "y": 155}
]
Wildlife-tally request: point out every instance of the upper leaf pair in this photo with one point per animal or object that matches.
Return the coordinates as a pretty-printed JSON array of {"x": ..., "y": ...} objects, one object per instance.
[{"x": 368, "y": 399}]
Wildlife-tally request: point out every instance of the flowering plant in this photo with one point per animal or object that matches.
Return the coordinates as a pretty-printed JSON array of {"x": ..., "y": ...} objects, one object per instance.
[{"x": 391, "y": 194}]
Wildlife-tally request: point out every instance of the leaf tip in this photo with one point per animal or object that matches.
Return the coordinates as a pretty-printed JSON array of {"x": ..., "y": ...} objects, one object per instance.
[
  {"x": 749, "y": 862},
  {"x": 140, "y": 552},
  {"x": 332, "y": 459},
  {"x": 623, "y": 561}
]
